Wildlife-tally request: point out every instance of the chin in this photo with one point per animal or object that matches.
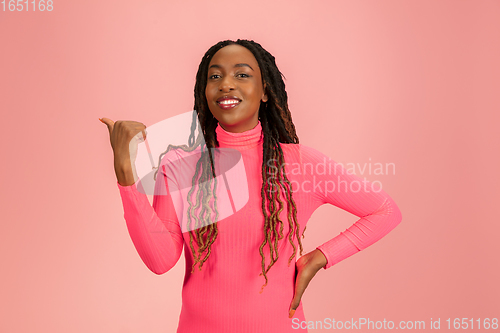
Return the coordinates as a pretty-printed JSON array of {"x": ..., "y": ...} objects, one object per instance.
[{"x": 229, "y": 120}]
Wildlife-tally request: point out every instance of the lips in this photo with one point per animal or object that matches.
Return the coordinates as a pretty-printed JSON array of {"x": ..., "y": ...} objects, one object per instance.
[{"x": 228, "y": 102}]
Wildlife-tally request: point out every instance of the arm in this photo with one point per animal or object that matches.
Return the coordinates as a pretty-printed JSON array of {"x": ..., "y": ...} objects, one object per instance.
[
  {"x": 154, "y": 230},
  {"x": 378, "y": 214}
]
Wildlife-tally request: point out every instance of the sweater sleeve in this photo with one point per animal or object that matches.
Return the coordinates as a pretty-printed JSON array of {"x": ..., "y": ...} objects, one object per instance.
[
  {"x": 154, "y": 230},
  {"x": 331, "y": 183}
]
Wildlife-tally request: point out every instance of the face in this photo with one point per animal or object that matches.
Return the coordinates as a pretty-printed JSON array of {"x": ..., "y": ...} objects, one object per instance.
[{"x": 234, "y": 88}]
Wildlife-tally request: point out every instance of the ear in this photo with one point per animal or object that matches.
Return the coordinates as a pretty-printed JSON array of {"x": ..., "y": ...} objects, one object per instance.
[{"x": 264, "y": 95}]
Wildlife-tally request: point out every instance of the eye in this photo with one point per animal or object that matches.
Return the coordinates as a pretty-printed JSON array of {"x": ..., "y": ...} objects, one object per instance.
[
  {"x": 212, "y": 76},
  {"x": 244, "y": 75}
]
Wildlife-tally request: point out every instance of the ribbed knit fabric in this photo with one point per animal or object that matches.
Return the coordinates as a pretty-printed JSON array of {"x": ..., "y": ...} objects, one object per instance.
[{"x": 224, "y": 296}]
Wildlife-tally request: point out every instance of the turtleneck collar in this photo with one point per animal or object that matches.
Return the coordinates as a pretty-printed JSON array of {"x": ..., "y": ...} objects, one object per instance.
[{"x": 244, "y": 140}]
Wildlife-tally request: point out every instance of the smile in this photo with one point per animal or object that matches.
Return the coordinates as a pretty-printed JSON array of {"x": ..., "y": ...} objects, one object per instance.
[{"x": 228, "y": 103}]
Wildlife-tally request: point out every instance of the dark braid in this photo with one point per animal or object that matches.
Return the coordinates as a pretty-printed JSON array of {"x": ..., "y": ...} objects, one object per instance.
[{"x": 277, "y": 126}]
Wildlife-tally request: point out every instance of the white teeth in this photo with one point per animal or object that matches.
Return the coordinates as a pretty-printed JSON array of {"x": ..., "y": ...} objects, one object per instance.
[{"x": 228, "y": 101}]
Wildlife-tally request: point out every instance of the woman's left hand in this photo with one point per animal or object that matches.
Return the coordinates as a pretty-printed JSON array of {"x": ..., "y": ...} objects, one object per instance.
[{"x": 305, "y": 269}]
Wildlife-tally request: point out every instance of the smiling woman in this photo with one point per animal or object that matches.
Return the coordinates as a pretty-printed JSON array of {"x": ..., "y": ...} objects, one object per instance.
[
  {"x": 248, "y": 278},
  {"x": 234, "y": 88}
]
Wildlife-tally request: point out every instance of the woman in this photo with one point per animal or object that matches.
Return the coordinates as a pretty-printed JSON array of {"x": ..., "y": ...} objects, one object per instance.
[{"x": 241, "y": 105}]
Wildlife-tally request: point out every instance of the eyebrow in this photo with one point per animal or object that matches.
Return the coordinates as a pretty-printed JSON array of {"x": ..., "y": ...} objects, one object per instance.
[{"x": 237, "y": 65}]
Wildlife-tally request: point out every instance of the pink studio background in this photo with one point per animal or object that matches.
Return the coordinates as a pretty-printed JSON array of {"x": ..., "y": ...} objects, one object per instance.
[{"x": 414, "y": 83}]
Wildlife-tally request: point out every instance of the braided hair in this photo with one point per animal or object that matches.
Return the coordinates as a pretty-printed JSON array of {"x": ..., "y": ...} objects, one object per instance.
[{"x": 277, "y": 127}]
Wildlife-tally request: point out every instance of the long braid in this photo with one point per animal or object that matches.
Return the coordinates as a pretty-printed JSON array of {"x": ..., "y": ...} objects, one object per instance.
[
  {"x": 277, "y": 127},
  {"x": 277, "y": 124}
]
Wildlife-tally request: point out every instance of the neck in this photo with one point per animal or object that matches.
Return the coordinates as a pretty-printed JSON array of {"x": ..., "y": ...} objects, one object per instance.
[{"x": 243, "y": 140}]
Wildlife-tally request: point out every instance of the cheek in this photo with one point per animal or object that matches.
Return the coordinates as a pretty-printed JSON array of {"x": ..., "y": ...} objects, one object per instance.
[
  {"x": 209, "y": 96},
  {"x": 256, "y": 93},
  {"x": 208, "y": 93}
]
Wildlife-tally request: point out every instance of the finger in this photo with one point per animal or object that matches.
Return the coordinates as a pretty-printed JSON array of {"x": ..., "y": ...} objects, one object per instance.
[
  {"x": 294, "y": 305},
  {"x": 301, "y": 283},
  {"x": 109, "y": 123},
  {"x": 295, "y": 300},
  {"x": 292, "y": 310}
]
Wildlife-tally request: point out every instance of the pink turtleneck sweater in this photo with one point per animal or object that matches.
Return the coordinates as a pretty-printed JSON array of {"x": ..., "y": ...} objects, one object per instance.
[{"x": 224, "y": 296}]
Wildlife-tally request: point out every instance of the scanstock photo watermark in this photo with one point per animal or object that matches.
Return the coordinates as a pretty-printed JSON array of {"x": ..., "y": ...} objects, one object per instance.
[
  {"x": 384, "y": 324},
  {"x": 341, "y": 177}
]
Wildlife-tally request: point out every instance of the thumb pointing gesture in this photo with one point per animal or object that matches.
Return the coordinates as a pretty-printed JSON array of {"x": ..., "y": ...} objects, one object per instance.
[
  {"x": 124, "y": 136},
  {"x": 110, "y": 123}
]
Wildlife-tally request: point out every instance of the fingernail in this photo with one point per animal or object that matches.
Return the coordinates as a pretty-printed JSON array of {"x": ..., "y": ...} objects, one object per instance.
[
  {"x": 100, "y": 119},
  {"x": 292, "y": 312}
]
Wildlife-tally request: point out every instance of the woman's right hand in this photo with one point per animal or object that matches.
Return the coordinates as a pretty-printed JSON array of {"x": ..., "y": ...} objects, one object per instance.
[{"x": 124, "y": 136}]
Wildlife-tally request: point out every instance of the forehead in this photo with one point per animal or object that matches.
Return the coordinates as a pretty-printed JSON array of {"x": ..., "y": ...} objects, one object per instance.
[{"x": 233, "y": 54}]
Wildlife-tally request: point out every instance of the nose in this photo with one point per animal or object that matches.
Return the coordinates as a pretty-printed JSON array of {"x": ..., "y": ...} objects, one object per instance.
[{"x": 226, "y": 84}]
